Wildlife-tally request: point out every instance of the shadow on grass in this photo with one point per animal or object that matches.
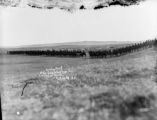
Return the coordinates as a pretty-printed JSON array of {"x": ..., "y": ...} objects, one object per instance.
[{"x": 121, "y": 109}]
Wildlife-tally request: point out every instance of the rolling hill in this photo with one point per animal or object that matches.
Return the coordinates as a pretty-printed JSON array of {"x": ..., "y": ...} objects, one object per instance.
[{"x": 73, "y": 45}]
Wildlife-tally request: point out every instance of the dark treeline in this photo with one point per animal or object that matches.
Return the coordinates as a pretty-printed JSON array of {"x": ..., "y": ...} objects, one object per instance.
[
  {"x": 122, "y": 50},
  {"x": 55, "y": 53},
  {"x": 103, "y": 53}
]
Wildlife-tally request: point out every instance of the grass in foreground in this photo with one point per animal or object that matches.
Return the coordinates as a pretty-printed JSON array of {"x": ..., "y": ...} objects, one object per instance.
[{"x": 118, "y": 90}]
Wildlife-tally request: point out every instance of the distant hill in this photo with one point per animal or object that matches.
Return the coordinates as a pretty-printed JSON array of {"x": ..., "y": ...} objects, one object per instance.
[{"x": 73, "y": 45}]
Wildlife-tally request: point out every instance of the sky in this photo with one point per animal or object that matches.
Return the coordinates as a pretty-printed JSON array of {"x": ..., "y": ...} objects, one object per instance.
[{"x": 27, "y": 26}]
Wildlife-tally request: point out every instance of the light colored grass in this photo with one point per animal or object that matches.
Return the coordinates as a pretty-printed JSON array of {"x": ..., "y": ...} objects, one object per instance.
[{"x": 51, "y": 99}]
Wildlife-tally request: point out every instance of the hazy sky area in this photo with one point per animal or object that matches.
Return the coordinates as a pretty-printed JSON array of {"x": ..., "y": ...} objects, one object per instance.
[{"x": 27, "y": 26}]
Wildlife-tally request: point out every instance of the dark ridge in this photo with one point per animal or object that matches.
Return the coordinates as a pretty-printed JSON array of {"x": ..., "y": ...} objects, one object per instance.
[
  {"x": 118, "y": 3},
  {"x": 34, "y": 6},
  {"x": 82, "y": 7},
  {"x": 133, "y": 1},
  {"x": 98, "y": 7},
  {"x": 16, "y": 5},
  {"x": 67, "y": 9},
  {"x": 49, "y": 7}
]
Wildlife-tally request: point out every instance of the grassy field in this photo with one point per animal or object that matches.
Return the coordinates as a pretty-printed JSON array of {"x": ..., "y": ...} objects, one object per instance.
[{"x": 122, "y": 88}]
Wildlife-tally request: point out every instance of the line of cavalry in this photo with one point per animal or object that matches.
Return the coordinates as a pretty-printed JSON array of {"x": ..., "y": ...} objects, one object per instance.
[{"x": 87, "y": 53}]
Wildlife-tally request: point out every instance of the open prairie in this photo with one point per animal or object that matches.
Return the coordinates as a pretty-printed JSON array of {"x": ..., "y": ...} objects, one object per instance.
[{"x": 51, "y": 88}]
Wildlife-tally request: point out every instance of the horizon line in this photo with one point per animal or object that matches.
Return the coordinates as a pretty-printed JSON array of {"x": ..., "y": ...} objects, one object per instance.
[{"x": 65, "y": 43}]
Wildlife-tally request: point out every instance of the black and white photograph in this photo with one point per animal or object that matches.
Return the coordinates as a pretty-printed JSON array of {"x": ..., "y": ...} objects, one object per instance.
[{"x": 78, "y": 59}]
